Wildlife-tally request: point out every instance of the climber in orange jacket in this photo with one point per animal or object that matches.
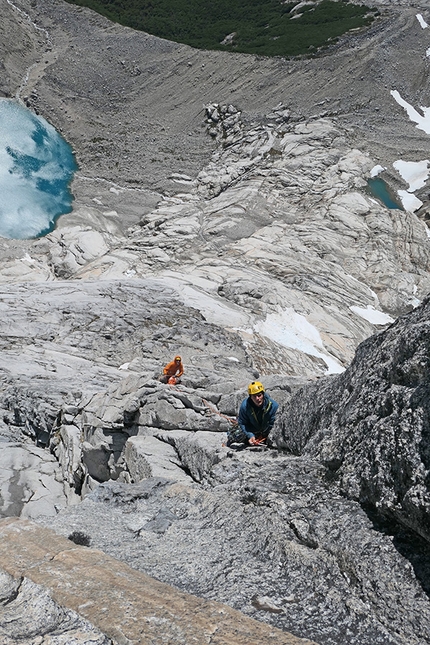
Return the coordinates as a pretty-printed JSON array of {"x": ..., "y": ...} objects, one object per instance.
[{"x": 174, "y": 370}]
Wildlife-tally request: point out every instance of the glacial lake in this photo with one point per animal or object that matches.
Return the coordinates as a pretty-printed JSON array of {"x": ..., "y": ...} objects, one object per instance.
[
  {"x": 379, "y": 189},
  {"x": 36, "y": 169}
]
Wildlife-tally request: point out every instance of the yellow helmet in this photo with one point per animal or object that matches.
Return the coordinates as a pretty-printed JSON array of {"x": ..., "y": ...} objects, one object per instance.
[
  {"x": 178, "y": 359},
  {"x": 255, "y": 387}
]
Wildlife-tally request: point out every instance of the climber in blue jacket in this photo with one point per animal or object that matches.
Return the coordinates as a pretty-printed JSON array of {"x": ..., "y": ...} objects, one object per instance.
[{"x": 257, "y": 414}]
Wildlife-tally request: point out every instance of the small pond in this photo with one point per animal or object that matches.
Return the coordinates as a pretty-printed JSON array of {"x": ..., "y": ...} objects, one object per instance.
[
  {"x": 36, "y": 169},
  {"x": 379, "y": 189}
]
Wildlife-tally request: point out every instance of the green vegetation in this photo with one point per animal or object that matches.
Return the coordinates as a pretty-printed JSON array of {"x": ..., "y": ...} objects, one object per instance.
[{"x": 265, "y": 27}]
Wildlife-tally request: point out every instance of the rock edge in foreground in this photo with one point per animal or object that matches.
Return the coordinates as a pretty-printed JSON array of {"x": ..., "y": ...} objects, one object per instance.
[{"x": 127, "y": 605}]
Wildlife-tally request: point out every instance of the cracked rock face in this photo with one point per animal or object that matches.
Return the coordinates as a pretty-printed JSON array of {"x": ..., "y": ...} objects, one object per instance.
[
  {"x": 30, "y": 615},
  {"x": 80, "y": 374},
  {"x": 126, "y": 604},
  {"x": 370, "y": 426},
  {"x": 271, "y": 538}
]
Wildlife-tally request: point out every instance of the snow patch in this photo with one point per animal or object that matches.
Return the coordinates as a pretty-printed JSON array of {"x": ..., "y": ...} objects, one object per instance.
[
  {"x": 376, "y": 170},
  {"x": 410, "y": 202},
  {"x": 291, "y": 329},
  {"x": 422, "y": 120},
  {"x": 372, "y": 315},
  {"x": 415, "y": 173},
  {"x": 421, "y": 20}
]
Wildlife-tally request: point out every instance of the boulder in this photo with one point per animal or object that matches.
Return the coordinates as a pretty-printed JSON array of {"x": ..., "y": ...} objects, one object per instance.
[
  {"x": 30, "y": 481},
  {"x": 147, "y": 456},
  {"x": 198, "y": 451}
]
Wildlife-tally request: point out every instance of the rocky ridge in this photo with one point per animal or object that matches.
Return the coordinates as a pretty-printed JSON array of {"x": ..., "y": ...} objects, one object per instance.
[
  {"x": 374, "y": 440},
  {"x": 222, "y": 211}
]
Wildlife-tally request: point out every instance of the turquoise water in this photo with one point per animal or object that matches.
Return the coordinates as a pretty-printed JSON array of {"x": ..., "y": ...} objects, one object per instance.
[
  {"x": 379, "y": 189},
  {"x": 36, "y": 168}
]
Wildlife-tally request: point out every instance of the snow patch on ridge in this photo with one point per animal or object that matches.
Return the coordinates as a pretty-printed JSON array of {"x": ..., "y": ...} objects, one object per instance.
[
  {"x": 422, "y": 120},
  {"x": 415, "y": 173},
  {"x": 421, "y": 20},
  {"x": 372, "y": 315},
  {"x": 290, "y": 329}
]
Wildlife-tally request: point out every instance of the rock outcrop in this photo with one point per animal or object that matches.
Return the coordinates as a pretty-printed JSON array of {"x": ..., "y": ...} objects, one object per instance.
[
  {"x": 267, "y": 534},
  {"x": 125, "y": 604},
  {"x": 259, "y": 217},
  {"x": 80, "y": 373},
  {"x": 370, "y": 426},
  {"x": 28, "y": 614}
]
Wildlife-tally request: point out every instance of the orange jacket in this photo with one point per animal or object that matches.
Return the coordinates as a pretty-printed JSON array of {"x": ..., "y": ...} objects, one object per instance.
[{"x": 173, "y": 369}]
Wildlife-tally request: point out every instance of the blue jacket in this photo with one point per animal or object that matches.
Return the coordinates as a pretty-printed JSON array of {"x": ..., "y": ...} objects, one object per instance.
[{"x": 257, "y": 421}]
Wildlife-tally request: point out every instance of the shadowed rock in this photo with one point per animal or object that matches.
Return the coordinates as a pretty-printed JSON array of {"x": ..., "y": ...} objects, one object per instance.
[{"x": 370, "y": 426}]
